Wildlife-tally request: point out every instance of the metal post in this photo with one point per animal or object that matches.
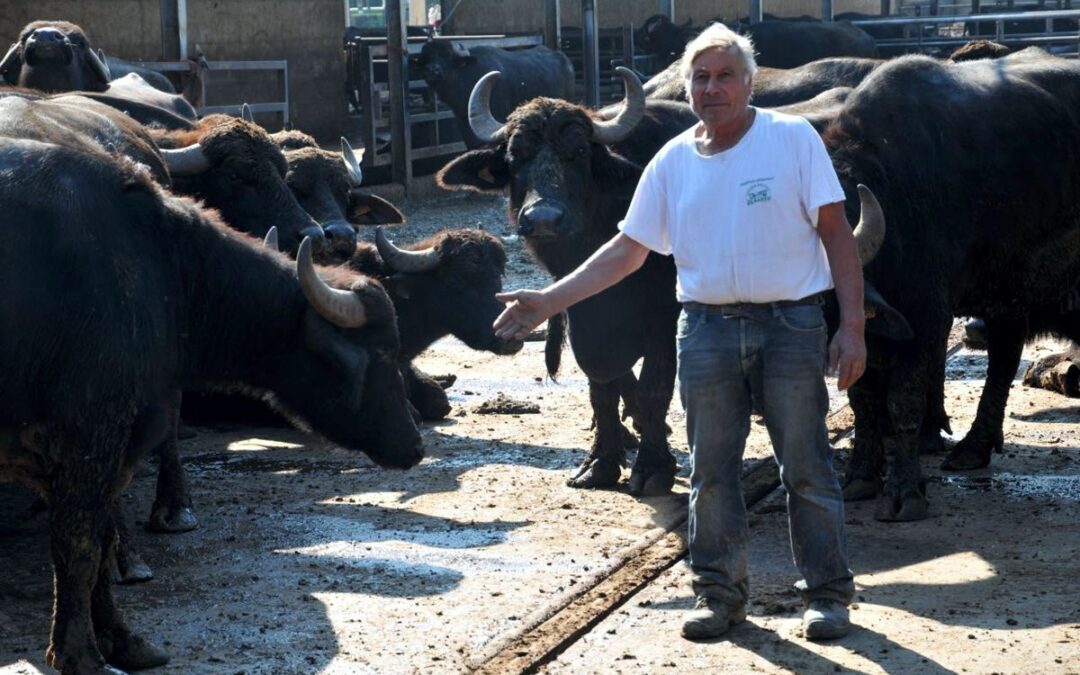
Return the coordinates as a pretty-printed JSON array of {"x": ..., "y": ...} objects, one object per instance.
[
  {"x": 181, "y": 27},
  {"x": 886, "y": 8},
  {"x": 591, "y": 49},
  {"x": 628, "y": 45},
  {"x": 667, "y": 8},
  {"x": 552, "y": 25},
  {"x": 934, "y": 7},
  {"x": 170, "y": 31},
  {"x": 755, "y": 11},
  {"x": 826, "y": 10},
  {"x": 397, "y": 56}
]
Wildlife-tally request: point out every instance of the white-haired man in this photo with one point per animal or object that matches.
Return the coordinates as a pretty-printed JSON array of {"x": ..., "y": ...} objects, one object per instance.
[{"x": 748, "y": 203}]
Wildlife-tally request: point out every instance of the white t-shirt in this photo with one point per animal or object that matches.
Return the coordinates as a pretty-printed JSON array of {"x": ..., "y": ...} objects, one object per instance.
[{"x": 741, "y": 224}]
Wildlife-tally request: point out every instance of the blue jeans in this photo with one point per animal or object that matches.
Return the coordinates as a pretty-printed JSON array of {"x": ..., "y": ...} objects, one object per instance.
[{"x": 773, "y": 354}]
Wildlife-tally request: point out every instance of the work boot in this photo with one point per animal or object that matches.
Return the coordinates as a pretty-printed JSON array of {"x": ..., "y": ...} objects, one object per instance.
[
  {"x": 711, "y": 618},
  {"x": 826, "y": 620}
]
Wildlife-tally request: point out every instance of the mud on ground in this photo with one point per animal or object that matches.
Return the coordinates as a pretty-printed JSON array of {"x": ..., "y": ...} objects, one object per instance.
[{"x": 310, "y": 559}]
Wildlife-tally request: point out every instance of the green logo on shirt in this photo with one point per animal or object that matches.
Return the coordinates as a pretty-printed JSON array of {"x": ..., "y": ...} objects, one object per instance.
[{"x": 758, "y": 193}]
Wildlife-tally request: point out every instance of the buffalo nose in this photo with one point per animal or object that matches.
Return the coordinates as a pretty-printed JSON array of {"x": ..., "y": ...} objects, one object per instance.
[
  {"x": 539, "y": 219},
  {"x": 45, "y": 35},
  {"x": 341, "y": 237}
]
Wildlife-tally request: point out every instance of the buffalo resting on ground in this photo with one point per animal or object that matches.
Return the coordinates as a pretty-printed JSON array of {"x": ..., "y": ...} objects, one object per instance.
[
  {"x": 975, "y": 233},
  {"x": 453, "y": 69}
]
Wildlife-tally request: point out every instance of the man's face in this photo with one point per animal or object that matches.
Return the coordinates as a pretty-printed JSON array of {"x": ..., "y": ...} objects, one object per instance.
[{"x": 719, "y": 88}]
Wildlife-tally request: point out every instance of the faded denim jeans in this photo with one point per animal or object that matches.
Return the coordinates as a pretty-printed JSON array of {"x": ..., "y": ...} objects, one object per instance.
[{"x": 776, "y": 354}]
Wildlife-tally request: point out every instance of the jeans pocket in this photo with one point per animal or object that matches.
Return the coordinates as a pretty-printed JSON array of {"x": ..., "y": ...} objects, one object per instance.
[
  {"x": 688, "y": 323},
  {"x": 802, "y": 318}
]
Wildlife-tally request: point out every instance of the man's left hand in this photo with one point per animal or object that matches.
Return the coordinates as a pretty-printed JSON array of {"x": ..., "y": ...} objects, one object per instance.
[{"x": 847, "y": 356}]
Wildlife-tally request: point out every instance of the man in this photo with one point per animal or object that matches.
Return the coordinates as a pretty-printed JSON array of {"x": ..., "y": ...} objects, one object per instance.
[{"x": 748, "y": 204}]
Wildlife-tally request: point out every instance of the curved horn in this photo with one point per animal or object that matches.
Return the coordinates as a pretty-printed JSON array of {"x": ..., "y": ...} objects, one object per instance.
[
  {"x": 186, "y": 161},
  {"x": 870, "y": 232},
  {"x": 401, "y": 260},
  {"x": 98, "y": 64},
  {"x": 613, "y": 131},
  {"x": 481, "y": 121},
  {"x": 11, "y": 57},
  {"x": 270, "y": 241},
  {"x": 342, "y": 308},
  {"x": 352, "y": 162},
  {"x": 246, "y": 114}
]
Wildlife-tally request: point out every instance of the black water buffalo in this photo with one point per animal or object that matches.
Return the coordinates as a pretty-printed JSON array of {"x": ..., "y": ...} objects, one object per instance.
[
  {"x": 53, "y": 56},
  {"x": 444, "y": 285},
  {"x": 327, "y": 186},
  {"x": 452, "y": 69},
  {"x": 119, "y": 69},
  {"x": 570, "y": 174},
  {"x": 133, "y": 87},
  {"x": 786, "y": 44},
  {"x": 774, "y": 87},
  {"x": 235, "y": 167},
  {"x": 971, "y": 233},
  {"x": 661, "y": 37},
  {"x": 118, "y": 295}
]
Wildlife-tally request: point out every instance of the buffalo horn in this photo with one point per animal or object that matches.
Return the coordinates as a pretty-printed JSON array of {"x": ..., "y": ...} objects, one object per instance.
[
  {"x": 246, "y": 114},
  {"x": 342, "y": 308},
  {"x": 613, "y": 131},
  {"x": 270, "y": 241},
  {"x": 9, "y": 58},
  {"x": 352, "y": 162},
  {"x": 870, "y": 232},
  {"x": 401, "y": 260},
  {"x": 186, "y": 161},
  {"x": 98, "y": 64},
  {"x": 481, "y": 121}
]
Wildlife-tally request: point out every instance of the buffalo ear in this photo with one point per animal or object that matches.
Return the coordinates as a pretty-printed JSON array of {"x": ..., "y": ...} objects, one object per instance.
[
  {"x": 479, "y": 170},
  {"x": 614, "y": 174},
  {"x": 882, "y": 319},
  {"x": 11, "y": 65},
  {"x": 368, "y": 209},
  {"x": 337, "y": 352},
  {"x": 398, "y": 286}
]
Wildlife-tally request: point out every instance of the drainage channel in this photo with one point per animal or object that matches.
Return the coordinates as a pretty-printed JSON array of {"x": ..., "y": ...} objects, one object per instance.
[{"x": 536, "y": 645}]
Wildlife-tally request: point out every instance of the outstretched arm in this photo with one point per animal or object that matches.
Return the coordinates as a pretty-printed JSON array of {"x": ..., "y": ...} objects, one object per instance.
[{"x": 527, "y": 309}]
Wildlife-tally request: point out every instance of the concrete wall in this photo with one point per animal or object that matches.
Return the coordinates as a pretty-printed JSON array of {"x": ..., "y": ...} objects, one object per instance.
[
  {"x": 526, "y": 16},
  {"x": 305, "y": 32}
]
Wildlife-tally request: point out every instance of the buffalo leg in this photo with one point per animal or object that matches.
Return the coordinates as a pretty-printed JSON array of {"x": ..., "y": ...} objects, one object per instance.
[
  {"x": 628, "y": 391},
  {"x": 654, "y": 469},
  {"x": 130, "y": 567},
  {"x": 172, "y": 510},
  {"x": 117, "y": 643},
  {"x": 863, "y": 479},
  {"x": 1005, "y": 345},
  {"x": 603, "y": 465},
  {"x": 935, "y": 419},
  {"x": 425, "y": 394}
]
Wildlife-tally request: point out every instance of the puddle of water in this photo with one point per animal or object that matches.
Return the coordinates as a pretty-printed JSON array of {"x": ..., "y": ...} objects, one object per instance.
[{"x": 1062, "y": 488}]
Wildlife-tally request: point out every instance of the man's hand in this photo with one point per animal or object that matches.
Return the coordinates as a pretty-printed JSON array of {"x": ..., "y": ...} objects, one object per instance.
[
  {"x": 525, "y": 310},
  {"x": 847, "y": 356}
]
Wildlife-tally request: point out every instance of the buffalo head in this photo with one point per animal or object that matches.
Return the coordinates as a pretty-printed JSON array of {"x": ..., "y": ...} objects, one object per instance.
[{"x": 54, "y": 56}]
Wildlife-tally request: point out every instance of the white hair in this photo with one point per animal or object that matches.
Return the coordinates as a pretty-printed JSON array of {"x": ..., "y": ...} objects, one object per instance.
[{"x": 719, "y": 37}]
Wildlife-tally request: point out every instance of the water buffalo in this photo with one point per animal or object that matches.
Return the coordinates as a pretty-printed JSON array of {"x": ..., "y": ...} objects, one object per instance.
[
  {"x": 452, "y": 69},
  {"x": 661, "y": 37},
  {"x": 570, "y": 174},
  {"x": 444, "y": 285},
  {"x": 786, "y": 44},
  {"x": 998, "y": 239},
  {"x": 117, "y": 296},
  {"x": 54, "y": 56}
]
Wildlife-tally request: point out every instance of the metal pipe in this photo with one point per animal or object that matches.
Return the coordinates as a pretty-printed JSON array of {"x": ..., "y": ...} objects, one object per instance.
[
  {"x": 591, "y": 50},
  {"x": 755, "y": 11},
  {"x": 181, "y": 30},
  {"x": 826, "y": 10},
  {"x": 667, "y": 8},
  {"x": 397, "y": 57},
  {"x": 552, "y": 25}
]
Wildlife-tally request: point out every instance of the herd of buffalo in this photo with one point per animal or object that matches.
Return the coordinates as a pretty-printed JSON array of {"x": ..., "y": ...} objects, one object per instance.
[{"x": 151, "y": 256}]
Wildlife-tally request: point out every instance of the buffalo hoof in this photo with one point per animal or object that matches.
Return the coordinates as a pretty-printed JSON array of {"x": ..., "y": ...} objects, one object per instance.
[
  {"x": 975, "y": 335},
  {"x": 644, "y": 483},
  {"x": 597, "y": 472},
  {"x": 906, "y": 508},
  {"x": 176, "y": 519},
  {"x": 861, "y": 489},
  {"x": 134, "y": 652},
  {"x": 445, "y": 381},
  {"x": 130, "y": 568},
  {"x": 965, "y": 457},
  {"x": 931, "y": 443}
]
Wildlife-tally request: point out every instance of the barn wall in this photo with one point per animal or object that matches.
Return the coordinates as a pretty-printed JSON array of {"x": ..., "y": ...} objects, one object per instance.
[
  {"x": 526, "y": 16},
  {"x": 305, "y": 32}
]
